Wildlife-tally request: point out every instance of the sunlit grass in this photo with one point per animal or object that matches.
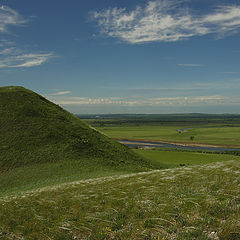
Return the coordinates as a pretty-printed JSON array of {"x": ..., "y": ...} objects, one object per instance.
[{"x": 197, "y": 202}]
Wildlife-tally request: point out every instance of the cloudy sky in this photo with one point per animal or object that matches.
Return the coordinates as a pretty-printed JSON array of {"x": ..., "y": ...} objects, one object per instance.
[{"x": 124, "y": 56}]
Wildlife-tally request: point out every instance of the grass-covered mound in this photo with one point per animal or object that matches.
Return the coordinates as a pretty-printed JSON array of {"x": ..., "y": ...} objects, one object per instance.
[
  {"x": 197, "y": 202},
  {"x": 35, "y": 130}
]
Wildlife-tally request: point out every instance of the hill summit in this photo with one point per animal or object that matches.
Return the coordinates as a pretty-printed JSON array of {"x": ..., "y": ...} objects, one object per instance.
[{"x": 35, "y": 130}]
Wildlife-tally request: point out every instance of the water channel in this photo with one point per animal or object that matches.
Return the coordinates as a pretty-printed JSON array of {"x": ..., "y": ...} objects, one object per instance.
[{"x": 151, "y": 144}]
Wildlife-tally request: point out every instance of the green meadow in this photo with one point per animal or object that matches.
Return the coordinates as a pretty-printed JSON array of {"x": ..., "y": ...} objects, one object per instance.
[
  {"x": 161, "y": 158},
  {"x": 61, "y": 179},
  {"x": 219, "y": 135}
]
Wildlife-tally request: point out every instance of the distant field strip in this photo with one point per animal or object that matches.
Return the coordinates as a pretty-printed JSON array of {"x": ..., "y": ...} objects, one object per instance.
[
  {"x": 198, "y": 202},
  {"x": 224, "y": 136}
]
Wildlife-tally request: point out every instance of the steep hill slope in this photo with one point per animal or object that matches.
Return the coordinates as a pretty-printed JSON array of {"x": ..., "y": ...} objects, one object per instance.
[{"x": 35, "y": 130}]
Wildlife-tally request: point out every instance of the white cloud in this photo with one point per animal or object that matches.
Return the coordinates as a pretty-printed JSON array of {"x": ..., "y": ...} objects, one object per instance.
[
  {"x": 216, "y": 99},
  {"x": 163, "y": 101},
  {"x": 7, "y": 51},
  {"x": 189, "y": 65},
  {"x": 18, "y": 59},
  {"x": 94, "y": 101},
  {"x": 229, "y": 72},
  {"x": 61, "y": 93},
  {"x": 13, "y": 57},
  {"x": 9, "y": 17},
  {"x": 166, "y": 21},
  {"x": 10, "y": 55}
]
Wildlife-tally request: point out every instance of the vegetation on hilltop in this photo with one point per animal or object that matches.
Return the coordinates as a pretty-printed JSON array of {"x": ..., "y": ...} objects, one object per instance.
[{"x": 35, "y": 130}]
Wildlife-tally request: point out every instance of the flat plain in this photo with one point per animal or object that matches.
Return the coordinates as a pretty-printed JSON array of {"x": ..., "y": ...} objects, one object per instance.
[{"x": 221, "y": 130}]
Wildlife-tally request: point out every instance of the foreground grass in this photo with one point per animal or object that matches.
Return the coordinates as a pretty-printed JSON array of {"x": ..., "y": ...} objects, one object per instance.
[
  {"x": 197, "y": 202},
  {"x": 48, "y": 174},
  {"x": 161, "y": 158},
  {"x": 228, "y": 136}
]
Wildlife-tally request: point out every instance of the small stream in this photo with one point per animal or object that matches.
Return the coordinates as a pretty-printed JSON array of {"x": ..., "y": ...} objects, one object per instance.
[{"x": 132, "y": 143}]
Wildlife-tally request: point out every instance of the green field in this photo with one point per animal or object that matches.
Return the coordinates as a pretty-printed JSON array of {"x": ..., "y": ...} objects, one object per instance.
[
  {"x": 169, "y": 159},
  {"x": 61, "y": 179},
  {"x": 227, "y": 136},
  {"x": 215, "y": 129}
]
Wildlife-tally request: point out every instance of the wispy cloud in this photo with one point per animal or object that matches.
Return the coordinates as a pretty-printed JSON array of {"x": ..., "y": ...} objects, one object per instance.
[
  {"x": 150, "y": 90},
  {"x": 10, "y": 55},
  {"x": 24, "y": 60},
  {"x": 9, "y": 17},
  {"x": 162, "y": 101},
  {"x": 165, "y": 21},
  {"x": 229, "y": 72},
  {"x": 94, "y": 101},
  {"x": 61, "y": 93},
  {"x": 216, "y": 99},
  {"x": 13, "y": 57},
  {"x": 233, "y": 84},
  {"x": 189, "y": 65}
]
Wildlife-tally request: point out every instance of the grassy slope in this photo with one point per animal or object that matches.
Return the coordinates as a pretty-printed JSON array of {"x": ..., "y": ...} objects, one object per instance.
[
  {"x": 39, "y": 136},
  {"x": 229, "y": 136},
  {"x": 46, "y": 146},
  {"x": 36, "y": 176},
  {"x": 197, "y": 202},
  {"x": 40, "y": 175}
]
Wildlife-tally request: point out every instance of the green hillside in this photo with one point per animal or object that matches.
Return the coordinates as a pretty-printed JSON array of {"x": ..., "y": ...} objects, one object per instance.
[
  {"x": 45, "y": 145},
  {"x": 35, "y": 130},
  {"x": 57, "y": 182}
]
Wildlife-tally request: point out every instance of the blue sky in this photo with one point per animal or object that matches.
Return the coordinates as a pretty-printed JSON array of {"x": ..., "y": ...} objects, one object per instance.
[{"x": 124, "y": 56}]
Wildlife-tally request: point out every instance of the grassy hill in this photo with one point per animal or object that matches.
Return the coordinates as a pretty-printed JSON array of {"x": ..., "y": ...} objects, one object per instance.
[
  {"x": 196, "y": 202},
  {"x": 58, "y": 181},
  {"x": 34, "y": 130},
  {"x": 40, "y": 141}
]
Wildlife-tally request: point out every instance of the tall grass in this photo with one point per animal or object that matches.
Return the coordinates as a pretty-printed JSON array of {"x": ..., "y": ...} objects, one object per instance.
[{"x": 197, "y": 202}]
